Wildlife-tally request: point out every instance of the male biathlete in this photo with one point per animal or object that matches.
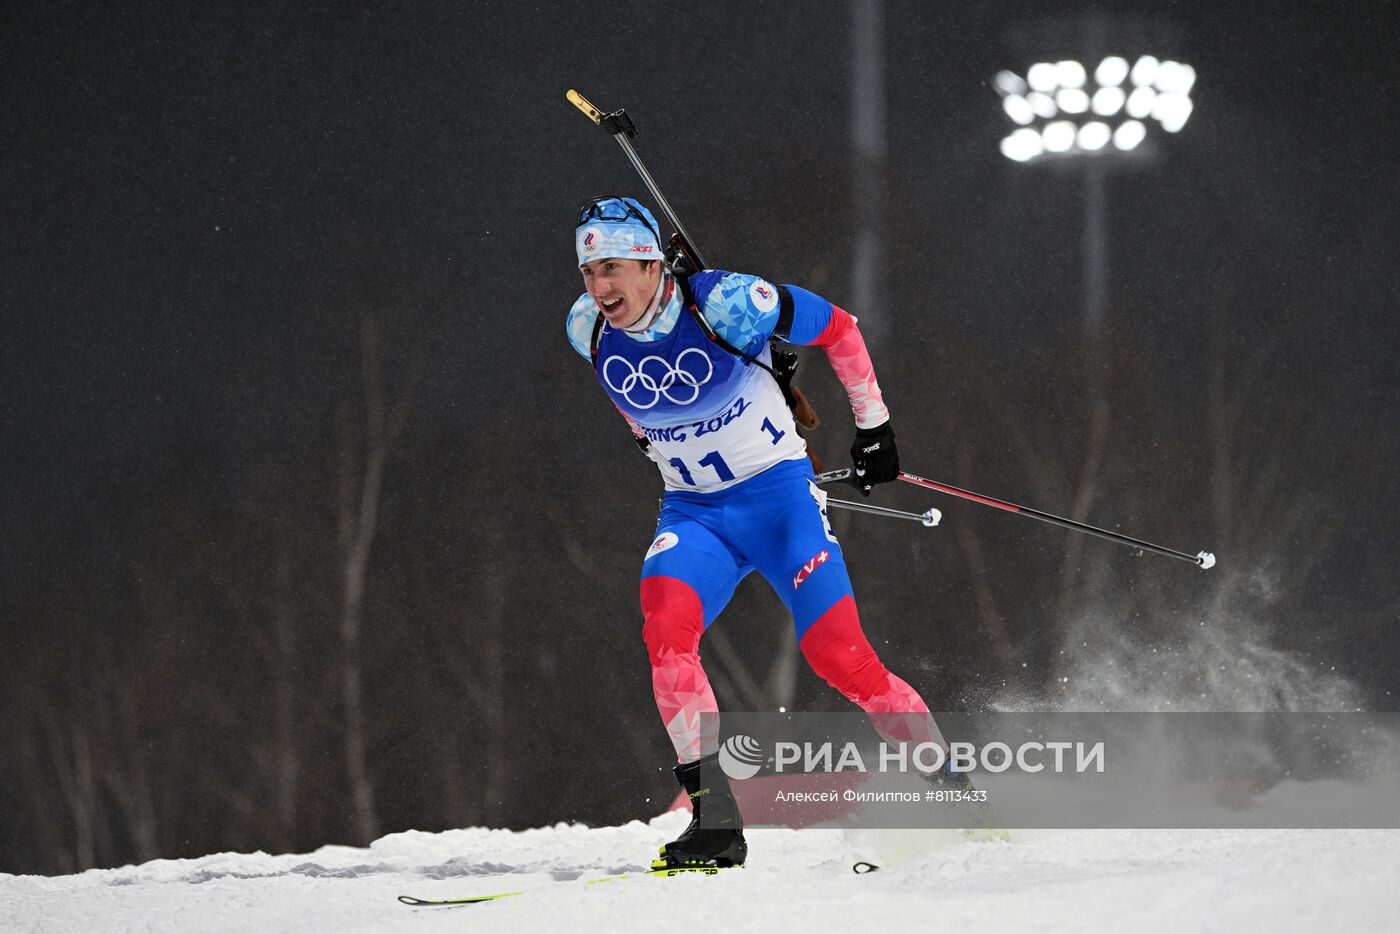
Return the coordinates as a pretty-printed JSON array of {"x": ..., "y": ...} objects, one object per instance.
[{"x": 740, "y": 494}]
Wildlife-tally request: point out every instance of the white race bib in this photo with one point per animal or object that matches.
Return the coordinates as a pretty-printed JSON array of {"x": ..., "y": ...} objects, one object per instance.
[{"x": 754, "y": 432}]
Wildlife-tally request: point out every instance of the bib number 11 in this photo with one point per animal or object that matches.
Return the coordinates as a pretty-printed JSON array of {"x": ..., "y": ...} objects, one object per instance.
[
  {"x": 711, "y": 460},
  {"x": 715, "y": 462}
]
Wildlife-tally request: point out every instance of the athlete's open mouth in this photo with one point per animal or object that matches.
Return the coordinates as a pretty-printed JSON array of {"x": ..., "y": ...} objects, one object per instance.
[{"x": 613, "y": 305}]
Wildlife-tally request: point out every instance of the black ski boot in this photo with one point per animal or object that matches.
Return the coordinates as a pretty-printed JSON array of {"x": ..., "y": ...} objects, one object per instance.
[
  {"x": 978, "y": 818},
  {"x": 946, "y": 779},
  {"x": 715, "y": 836}
]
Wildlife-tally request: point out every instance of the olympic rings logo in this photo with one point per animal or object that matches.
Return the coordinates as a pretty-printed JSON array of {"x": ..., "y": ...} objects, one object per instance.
[{"x": 656, "y": 378}]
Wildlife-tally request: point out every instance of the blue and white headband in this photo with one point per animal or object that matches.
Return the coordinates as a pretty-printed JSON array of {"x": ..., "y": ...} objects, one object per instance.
[{"x": 616, "y": 228}]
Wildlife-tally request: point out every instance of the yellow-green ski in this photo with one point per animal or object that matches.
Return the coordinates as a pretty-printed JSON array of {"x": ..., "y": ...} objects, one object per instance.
[
  {"x": 443, "y": 902},
  {"x": 477, "y": 899}
]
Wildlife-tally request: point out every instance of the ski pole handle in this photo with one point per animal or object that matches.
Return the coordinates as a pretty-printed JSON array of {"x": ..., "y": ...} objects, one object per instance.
[{"x": 840, "y": 475}]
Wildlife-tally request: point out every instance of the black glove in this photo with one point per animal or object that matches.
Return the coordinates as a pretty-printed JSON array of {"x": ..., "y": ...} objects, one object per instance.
[{"x": 875, "y": 457}]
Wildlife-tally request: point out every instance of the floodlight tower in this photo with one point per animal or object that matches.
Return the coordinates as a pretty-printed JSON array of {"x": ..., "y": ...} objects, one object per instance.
[
  {"x": 869, "y": 144},
  {"x": 1062, "y": 112}
]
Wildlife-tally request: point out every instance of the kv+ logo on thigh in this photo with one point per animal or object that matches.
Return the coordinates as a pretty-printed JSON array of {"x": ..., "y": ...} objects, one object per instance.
[{"x": 655, "y": 378}]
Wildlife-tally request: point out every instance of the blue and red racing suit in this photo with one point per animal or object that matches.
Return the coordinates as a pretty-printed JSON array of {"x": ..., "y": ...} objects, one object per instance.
[{"x": 739, "y": 493}]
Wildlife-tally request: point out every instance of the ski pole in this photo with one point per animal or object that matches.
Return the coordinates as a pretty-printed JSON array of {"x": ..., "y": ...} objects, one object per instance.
[
  {"x": 622, "y": 129},
  {"x": 929, "y": 518},
  {"x": 1204, "y": 560}
]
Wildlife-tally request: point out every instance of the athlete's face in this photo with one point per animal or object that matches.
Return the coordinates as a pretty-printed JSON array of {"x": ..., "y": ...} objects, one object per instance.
[{"x": 623, "y": 288}]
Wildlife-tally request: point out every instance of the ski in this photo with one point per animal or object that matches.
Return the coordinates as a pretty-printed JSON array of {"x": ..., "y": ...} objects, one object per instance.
[
  {"x": 447, "y": 902},
  {"x": 478, "y": 899}
]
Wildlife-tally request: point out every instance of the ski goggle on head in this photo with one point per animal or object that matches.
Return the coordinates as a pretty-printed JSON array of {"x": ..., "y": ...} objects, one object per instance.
[{"x": 616, "y": 228}]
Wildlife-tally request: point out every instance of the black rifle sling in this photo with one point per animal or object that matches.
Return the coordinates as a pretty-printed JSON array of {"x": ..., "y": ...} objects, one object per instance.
[
  {"x": 784, "y": 326},
  {"x": 593, "y": 341}
]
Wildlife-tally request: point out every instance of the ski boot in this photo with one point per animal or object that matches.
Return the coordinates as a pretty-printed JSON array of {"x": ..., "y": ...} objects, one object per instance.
[
  {"x": 948, "y": 779},
  {"x": 715, "y": 837}
]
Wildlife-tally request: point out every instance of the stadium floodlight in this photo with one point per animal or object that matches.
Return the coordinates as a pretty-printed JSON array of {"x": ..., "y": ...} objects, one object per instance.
[
  {"x": 1171, "y": 110},
  {"x": 1058, "y": 136},
  {"x": 1008, "y": 82},
  {"x": 1186, "y": 79},
  {"x": 1093, "y": 136},
  {"x": 1067, "y": 111},
  {"x": 1070, "y": 74},
  {"x": 1108, "y": 101},
  {"x": 1174, "y": 78},
  {"x": 1043, "y": 105},
  {"x": 1022, "y": 145},
  {"x": 1128, "y": 135},
  {"x": 1144, "y": 71},
  {"x": 1140, "y": 103},
  {"x": 1072, "y": 100},
  {"x": 1018, "y": 109},
  {"x": 1041, "y": 77},
  {"x": 1111, "y": 72}
]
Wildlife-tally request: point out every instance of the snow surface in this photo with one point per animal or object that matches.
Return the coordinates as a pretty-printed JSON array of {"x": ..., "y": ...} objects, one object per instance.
[{"x": 1109, "y": 880}]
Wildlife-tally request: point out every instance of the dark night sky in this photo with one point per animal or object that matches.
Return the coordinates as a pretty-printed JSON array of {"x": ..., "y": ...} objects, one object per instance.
[{"x": 182, "y": 185}]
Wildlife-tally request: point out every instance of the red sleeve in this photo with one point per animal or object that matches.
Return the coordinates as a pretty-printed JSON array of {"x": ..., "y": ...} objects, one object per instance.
[{"x": 845, "y": 348}]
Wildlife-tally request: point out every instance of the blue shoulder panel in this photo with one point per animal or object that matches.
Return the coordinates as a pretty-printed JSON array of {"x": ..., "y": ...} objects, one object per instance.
[
  {"x": 742, "y": 309},
  {"x": 580, "y": 325}
]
